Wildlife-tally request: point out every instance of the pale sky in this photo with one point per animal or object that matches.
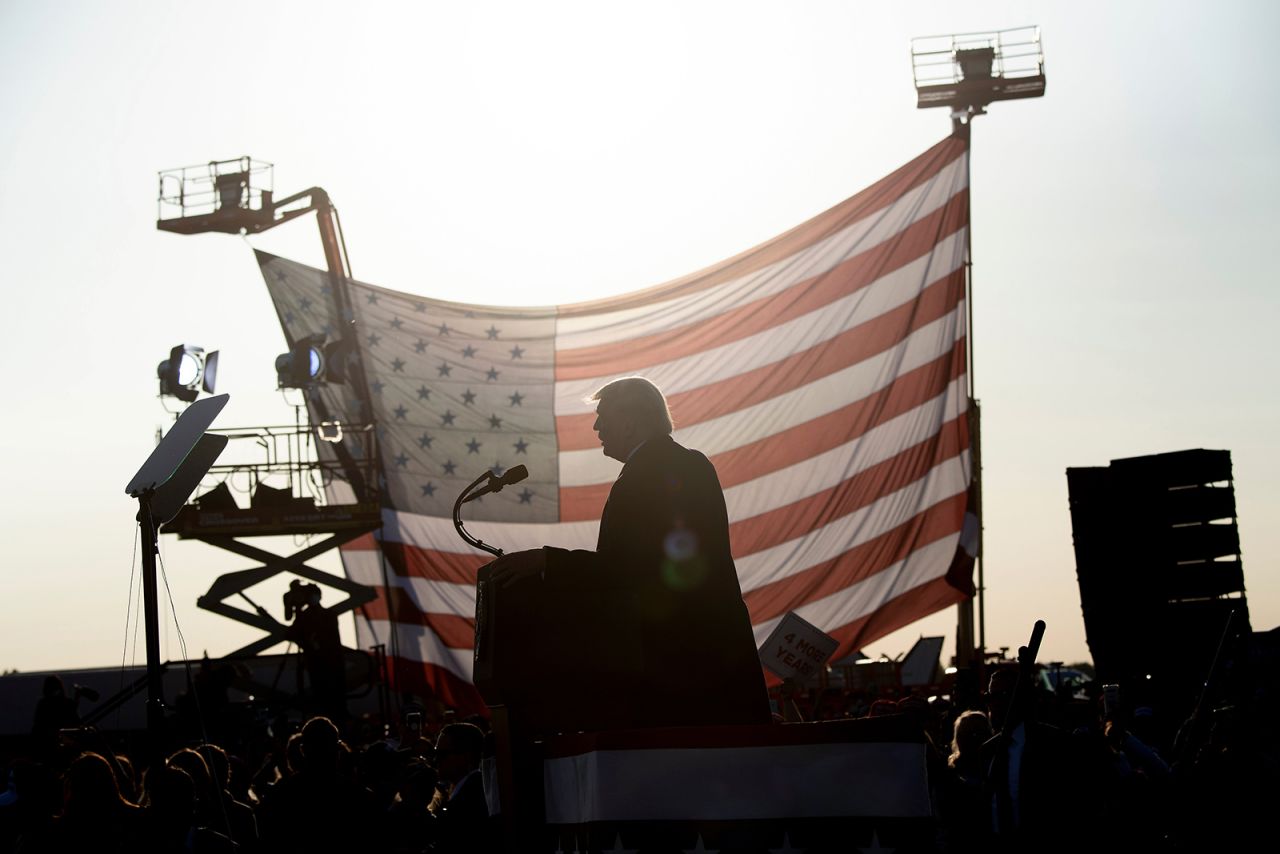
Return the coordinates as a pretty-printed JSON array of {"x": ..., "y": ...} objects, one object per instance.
[{"x": 539, "y": 153}]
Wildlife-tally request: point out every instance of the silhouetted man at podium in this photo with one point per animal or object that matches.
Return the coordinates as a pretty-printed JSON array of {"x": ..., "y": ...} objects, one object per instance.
[{"x": 664, "y": 542}]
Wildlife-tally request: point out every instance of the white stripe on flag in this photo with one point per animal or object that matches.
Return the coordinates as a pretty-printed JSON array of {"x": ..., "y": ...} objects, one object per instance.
[
  {"x": 823, "y": 471},
  {"x": 943, "y": 481},
  {"x": 438, "y": 534},
  {"x": 859, "y": 600},
  {"x": 791, "y": 408},
  {"x": 744, "y": 501},
  {"x": 419, "y": 643},
  {"x": 612, "y": 327},
  {"x": 715, "y": 364},
  {"x": 764, "y": 567}
]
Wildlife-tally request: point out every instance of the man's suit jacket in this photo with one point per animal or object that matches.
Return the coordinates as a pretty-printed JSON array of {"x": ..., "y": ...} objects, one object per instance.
[
  {"x": 1050, "y": 786},
  {"x": 664, "y": 541},
  {"x": 463, "y": 823}
]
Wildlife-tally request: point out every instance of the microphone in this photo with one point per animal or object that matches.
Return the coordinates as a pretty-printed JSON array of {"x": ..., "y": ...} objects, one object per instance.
[{"x": 515, "y": 474}]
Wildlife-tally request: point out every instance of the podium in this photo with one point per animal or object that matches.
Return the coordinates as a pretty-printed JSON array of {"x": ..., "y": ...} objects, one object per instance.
[
  {"x": 557, "y": 661},
  {"x": 546, "y": 663}
]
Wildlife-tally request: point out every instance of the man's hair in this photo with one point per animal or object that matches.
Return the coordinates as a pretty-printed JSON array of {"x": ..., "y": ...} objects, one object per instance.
[
  {"x": 219, "y": 765},
  {"x": 640, "y": 400},
  {"x": 320, "y": 744},
  {"x": 466, "y": 738}
]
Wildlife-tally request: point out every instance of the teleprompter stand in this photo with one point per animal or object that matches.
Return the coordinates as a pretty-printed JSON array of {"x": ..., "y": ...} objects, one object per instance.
[{"x": 161, "y": 486}]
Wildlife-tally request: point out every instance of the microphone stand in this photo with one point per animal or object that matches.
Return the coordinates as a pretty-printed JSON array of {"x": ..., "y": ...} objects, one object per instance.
[{"x": 463, "y": 497}]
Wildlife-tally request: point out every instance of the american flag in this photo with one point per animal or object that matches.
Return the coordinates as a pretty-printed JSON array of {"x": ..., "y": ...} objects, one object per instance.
[{"x": 823, "y": 373}]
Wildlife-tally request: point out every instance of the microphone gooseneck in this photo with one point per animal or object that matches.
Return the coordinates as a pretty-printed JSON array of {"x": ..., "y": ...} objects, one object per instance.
[
  {"x": 495, "y": 484},
  {"x": 492, "y": 483}
]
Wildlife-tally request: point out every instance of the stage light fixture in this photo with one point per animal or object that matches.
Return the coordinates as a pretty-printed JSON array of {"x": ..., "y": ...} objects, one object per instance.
[
  {"x": 303, "y": 365},
  {"x": 186, "y": 372},
  {"x": 330, "y": 431},
  {"x": 339, "y": 361},
  {"x": 210, "y": 372},
  {"x": 271, "y": 496},
  {"x": 219, "y": 499}
]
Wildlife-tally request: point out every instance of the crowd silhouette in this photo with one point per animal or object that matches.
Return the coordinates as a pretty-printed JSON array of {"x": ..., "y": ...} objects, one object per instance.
[{"x": 1072, "y": 773}]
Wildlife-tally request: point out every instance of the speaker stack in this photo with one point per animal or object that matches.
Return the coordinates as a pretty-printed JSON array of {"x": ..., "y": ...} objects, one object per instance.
[{"x": 1158, "y": 563}]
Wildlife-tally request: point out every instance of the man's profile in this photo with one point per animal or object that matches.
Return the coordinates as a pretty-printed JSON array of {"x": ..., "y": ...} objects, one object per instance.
[{"x": 664, "y": 540}]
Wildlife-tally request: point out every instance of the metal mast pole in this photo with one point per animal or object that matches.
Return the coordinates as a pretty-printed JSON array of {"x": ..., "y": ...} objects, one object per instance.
[
  {"x": 965, "y": 642},
  {"x": 966, "y": 73},
  {"x": 151, "y": 613},
  {"x": 975, "y": 413}
]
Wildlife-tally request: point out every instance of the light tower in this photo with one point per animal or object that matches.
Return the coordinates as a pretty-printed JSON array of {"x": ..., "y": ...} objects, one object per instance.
[
  {"x": 237, "y": 197},
  {"x": 965, "y": 73}
]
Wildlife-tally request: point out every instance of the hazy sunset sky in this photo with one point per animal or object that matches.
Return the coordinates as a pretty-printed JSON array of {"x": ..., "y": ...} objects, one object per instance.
[{"x": 536, "y": 153}]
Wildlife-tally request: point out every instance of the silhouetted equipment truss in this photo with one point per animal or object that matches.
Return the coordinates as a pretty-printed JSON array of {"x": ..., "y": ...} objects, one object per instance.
[
  {"x": 237, "y": 196},
  {"x": 228, "y": 196},
  {"x": 966, "y": 72},
  {"x": 284, "y": 456}
]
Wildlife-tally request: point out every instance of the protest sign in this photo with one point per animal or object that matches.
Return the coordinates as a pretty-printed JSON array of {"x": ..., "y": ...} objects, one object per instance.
[{"x": 797, "y": 649}]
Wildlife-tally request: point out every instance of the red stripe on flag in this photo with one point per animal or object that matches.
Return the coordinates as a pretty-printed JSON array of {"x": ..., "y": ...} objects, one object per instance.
[
  {"x": 781, "y": 524},
  {"x": 863, "y": 561},
  {"x": 431, "y": 680},
  {"x": 791, "y": 446},
  {"x": 455, "y": 567},
  {"x": 928, "y": 598},
  {"x": 773, "y": 600},
  {"x": 758, "y": 533},
  {"x": 854, "y": 345},
  {"x": 362, "y": 543},
  {"x": 914, "y": 242},
  {"x": 581, "y": 503},
  {"x": 879, "y": 195},
  {"x": 774, "y": 453},
  {"x": 454, "y": 630}
]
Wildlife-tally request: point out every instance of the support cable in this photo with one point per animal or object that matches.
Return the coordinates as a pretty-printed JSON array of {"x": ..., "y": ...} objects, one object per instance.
[
  {"x": 195, "y": 695},
  {"x": 128, "y": 611},
  {"x": 137, "y": 622}
]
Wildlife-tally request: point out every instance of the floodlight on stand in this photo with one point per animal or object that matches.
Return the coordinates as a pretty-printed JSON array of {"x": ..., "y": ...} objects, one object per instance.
[
  {"x": 339, "y": 361},
  {"x": 303, "y": 365},
  {"x": 217, "y": 499},
  {"x": 271, "y": 496},
  {"x": 210, "y": 372},
  {"x": 181, "y": 374}
]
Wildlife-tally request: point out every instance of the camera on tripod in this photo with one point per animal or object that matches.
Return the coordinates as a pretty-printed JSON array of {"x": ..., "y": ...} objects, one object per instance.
[{"x": 300, "y": 596}]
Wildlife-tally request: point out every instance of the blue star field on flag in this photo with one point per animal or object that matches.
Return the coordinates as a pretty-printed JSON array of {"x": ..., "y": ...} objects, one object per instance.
[{"x": 437, "y": 392}]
